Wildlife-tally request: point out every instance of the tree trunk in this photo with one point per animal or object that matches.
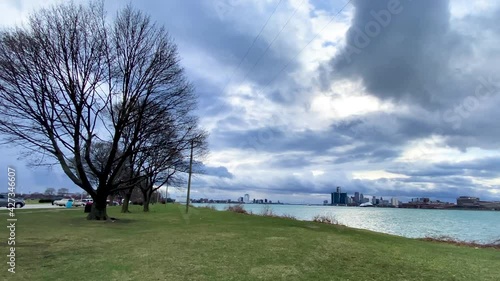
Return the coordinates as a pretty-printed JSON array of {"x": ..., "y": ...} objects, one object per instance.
[
  {"x": 146, "y": 201},
  {"x": 126, "y": 199},
  {"x": 98, "y": 210},
  {"x": 111, "y": 200}
]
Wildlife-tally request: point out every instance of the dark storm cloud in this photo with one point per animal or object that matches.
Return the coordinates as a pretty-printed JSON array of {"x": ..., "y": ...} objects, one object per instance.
[
  {"x": 490, "y": 163},
  {"x": 416, "y": 59},
  {"x": 210, "y": 99},
  {"x": 290, "y": 161},
  {"x": 480, "y": 168},
  {"x": 220, "y": 171},
  {"x": 277, "y": 139},
  {"x": 399, "y": 49},
  {"x": 370, "y": 153}
]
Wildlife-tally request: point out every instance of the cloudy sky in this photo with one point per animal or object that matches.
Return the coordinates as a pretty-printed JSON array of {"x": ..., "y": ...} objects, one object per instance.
[{"x": 389, "y": 98}]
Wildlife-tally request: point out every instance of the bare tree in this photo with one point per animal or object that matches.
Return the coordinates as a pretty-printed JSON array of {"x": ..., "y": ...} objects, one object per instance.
[
  {"x": 62, "y": 191},
  {"x": 164, "y": 147},
  {"x": 69, "y": 80},
  {"x": 50, "y": 191}
]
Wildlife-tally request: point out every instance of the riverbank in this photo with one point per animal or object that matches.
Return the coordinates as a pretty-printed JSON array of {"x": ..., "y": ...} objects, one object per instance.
[{"x": 166, "y": 244}]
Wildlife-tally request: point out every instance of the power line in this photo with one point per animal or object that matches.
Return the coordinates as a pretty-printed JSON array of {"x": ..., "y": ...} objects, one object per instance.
[
  {"x": 301, "y": 50},
  {"x": 274, "y": 39},
  {"x": 253, "y": 43}
]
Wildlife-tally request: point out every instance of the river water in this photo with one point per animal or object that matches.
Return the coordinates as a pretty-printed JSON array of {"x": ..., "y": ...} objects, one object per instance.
[{"x": 463, "y": 225}]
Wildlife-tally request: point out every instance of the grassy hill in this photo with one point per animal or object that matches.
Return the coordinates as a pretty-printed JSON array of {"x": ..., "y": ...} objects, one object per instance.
[{"x": 166, "y": 244}]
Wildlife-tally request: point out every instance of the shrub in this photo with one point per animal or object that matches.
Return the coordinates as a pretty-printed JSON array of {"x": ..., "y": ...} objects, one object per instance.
[
  {"x": 267, "y": 211},
  {"x": 326, "y": 219},
  {"x": 45, "y": 200},
  {"x": 237, "y": 209}
]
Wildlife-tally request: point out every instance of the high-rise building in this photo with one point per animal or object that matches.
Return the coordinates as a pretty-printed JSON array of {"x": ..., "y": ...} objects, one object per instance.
[
  {"x": 394, "y": 201},
  {"x": 374, "y": 200},
  {"x": 356, "y": 197},
  {"x": 339, "y": 198},
  {"x": 361, "y": 198},
  {"x": 246, "y": 198}
]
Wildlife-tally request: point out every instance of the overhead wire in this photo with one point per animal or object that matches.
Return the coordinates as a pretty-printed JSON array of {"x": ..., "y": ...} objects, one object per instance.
[
  {"x": 251, "y": 45},
  {"x": 274, "y": 40}
]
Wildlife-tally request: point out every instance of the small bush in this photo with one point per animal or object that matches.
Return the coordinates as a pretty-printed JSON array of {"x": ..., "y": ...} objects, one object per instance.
[
  {"x": 237, "y": 209},
  {"x": 45, "y": 200},
  {"x": 326, "y": 219},
  {"x": 267, "y": 211}
]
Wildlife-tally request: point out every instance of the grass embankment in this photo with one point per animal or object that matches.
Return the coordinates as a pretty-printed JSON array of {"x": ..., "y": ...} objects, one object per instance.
[{"x": 210, "y": 245}]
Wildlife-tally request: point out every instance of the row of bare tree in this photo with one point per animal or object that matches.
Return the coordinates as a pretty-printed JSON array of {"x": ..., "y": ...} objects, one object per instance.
[{"x": 107, "y": 100}]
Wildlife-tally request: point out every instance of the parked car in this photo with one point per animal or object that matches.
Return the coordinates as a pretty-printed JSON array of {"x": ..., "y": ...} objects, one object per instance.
[
  {"x": 79, "y": 203},
  {"x": 4, "y": 201},
  {"x": 114, "y": 203},
  {"x": 88, "y": 201},
  {"x": 62, "y": 202},
  {"x": 56, "y": 199}
]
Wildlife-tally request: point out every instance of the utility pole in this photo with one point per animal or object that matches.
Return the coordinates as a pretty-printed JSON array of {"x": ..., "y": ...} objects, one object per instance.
[
  {"x": 189, "y": 178},
  {"x": 166, "y": 195}
]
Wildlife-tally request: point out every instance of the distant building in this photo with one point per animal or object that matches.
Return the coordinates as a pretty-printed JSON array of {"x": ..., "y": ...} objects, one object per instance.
[
  {"x": 467, "y": 201},
  {"x": 374, "y": 200},
  {"x": 356, "y": 197},
  {"x": 421, "y": 200},
  {"x": 361, "y": 198},
  {"x": 339, "y": 198},
  {"x": 394, "y": 201},
  {"x": 240, "y": 200},
  {"x": 246, "y": 198}
]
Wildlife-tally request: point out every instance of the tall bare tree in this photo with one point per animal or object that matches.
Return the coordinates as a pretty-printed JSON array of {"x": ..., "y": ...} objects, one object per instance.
[
  {"x": 62, "y": 191},
  {"x": 50, "y": 191},
  {"x": 69, "y": 79}
]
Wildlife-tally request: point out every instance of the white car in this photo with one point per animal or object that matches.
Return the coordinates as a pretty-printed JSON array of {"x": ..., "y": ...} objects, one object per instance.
[
  {"x": 83, "y": 202},
  {"x": 62, "y": 202},
  {"x": 78, "y": 203}
]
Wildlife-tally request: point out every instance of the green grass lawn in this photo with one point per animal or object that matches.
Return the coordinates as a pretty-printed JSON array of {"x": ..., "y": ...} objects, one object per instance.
[{"x": 210, "y": 245}]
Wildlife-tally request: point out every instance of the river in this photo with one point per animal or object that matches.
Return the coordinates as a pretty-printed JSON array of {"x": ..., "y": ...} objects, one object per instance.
[{"x": 464, "y": 225}]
